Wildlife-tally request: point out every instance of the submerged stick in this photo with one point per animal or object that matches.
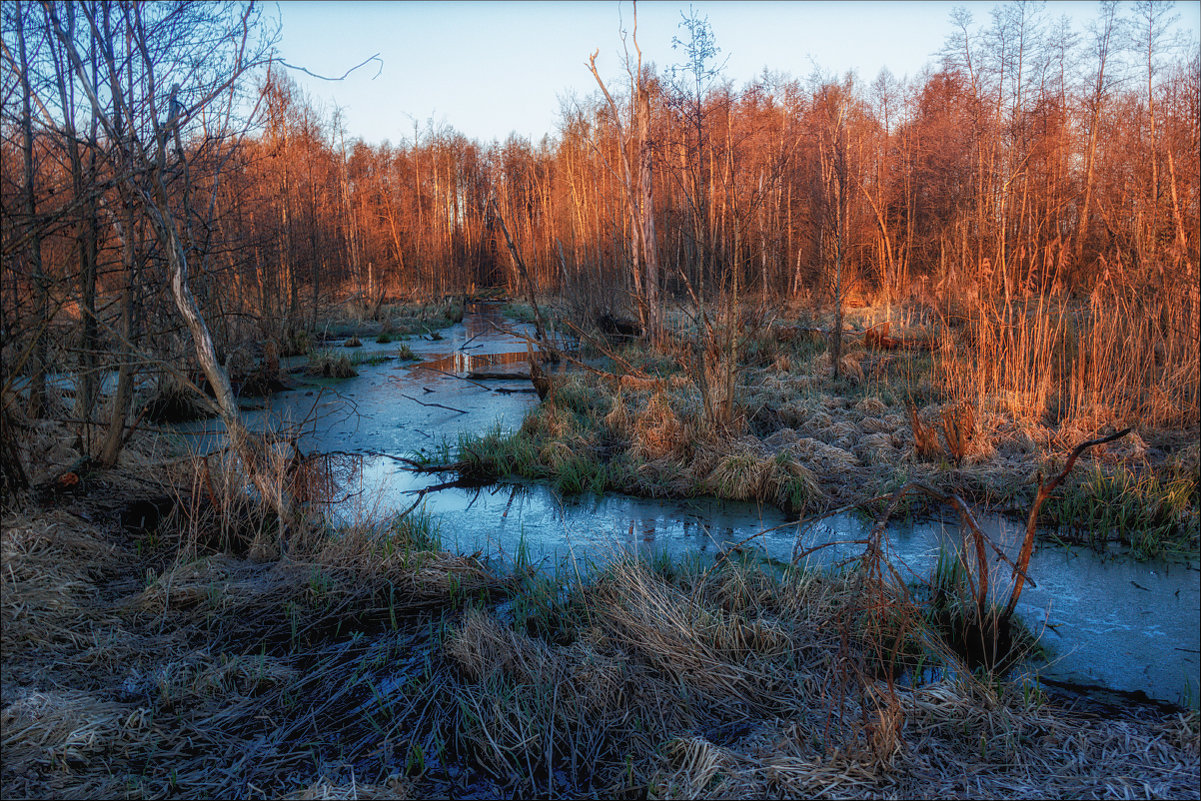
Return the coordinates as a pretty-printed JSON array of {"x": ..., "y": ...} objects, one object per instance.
[
  {"x": 438, "y": 405},
  {"x": 451, "y": 375},
  {"x": 803, "y": 524}
]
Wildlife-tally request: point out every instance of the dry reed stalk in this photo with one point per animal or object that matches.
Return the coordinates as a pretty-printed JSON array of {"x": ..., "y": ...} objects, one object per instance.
[{"x": 1126, "y": 355}]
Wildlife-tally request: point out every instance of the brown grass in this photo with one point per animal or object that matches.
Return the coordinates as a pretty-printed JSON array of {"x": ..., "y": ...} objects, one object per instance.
[
  {"x": 328, "y": 675},
  {"x": 659, "y": 433}
]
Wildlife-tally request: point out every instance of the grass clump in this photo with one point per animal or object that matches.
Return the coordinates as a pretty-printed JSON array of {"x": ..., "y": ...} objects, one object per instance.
[
  {"x": 521, "y": 312},
  {"x": 405, "y": 353},
  {"x": 1155, "y": 514},
  {"x": 327, "y": 364},
  {"x": 171, "y": 402}
]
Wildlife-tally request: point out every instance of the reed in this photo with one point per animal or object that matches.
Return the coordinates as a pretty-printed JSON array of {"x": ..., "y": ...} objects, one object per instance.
[{"x": 1126, "y": 355}]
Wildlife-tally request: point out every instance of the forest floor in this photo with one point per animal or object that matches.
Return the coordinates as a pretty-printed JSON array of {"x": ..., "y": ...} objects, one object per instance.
[
  {"x": 792, "y": 434},
  {"x": 157, "y": 646}
]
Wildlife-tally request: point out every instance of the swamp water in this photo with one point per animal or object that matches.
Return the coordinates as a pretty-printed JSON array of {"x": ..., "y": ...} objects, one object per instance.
[{"x": 1106, "y": 620}]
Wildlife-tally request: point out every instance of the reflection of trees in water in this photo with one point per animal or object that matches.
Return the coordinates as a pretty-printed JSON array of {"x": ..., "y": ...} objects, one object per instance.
[
  {"x": 482, "y": 318},
  {"x": 462, "y": 362},
  {"x": 327, "y": 479}
]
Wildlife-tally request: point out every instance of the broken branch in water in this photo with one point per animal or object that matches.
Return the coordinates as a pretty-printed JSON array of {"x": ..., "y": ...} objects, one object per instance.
[
  {"x": 1044, "y": 492},
  {"x": 451, "y": 375},
  {"x": 485, "y": 375},
  {"x": 414, "y": 465}
]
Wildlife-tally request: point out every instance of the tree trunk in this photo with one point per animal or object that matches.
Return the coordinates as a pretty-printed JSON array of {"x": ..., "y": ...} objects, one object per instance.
[
  {"x": 650, "y": 245},
  {"x": 41, "y": 311},
  {"x": 115, "y": 438}
]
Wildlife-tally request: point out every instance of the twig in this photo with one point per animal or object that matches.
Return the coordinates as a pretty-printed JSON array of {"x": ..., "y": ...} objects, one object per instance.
[
  {"x": 803, "y": 524},
  {"x": 796, "y": 557},
  {"x": 1044, "y": 492},
  {"x": 439, "y": 405},
  {"x": 406, "y": 461},
  {"x": 453, "y": 375},
  {"x": 342, "y": 77}
]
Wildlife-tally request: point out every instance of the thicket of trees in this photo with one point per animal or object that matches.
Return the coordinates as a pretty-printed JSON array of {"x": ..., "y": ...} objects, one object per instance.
[{"x": 1030, "y": 158}]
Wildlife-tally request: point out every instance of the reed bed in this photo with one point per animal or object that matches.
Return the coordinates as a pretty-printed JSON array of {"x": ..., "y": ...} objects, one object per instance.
[{"x": 1124, "y": 355}]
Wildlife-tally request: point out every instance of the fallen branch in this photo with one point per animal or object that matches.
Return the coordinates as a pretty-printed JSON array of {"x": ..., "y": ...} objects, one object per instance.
[
  {"x": 413, "y": 464},
  {"x": 529, "y": 284},
  {"x": 1044, "y": 492},
  {"x": 791, "y": 332},
  {"x": 438, "y": 405},
  {"x": 877, "y": 337},
  {"x": 804, "y": 524},
  {"x": 451, "y": 375},
  {"x": 484, "y": 375}
]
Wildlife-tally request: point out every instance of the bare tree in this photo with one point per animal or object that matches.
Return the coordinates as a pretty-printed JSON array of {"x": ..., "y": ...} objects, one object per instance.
[
  {"x": 33, "y": 246},
  {"x": 638, "y": 185},
  {"x": 210, "y": 48},
  {"x": 832, "y": 138}
]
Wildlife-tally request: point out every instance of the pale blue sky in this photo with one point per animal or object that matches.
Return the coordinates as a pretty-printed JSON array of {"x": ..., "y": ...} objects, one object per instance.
[{"x": 488, "y": 68}]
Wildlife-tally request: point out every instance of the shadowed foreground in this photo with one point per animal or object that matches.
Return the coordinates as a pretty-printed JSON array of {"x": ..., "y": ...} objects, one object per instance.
[{"x": 368, "y": 663}]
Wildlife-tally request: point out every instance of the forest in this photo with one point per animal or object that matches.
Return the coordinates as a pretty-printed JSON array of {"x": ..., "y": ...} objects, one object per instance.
[{"x": 972, "y": 291}]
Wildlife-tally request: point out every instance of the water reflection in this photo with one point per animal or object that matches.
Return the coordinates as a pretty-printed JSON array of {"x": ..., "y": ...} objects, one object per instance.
[{"x": 466, "y": 363}]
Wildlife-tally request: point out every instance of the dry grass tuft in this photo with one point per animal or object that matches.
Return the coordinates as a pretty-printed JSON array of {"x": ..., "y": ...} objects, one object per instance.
[
  {"x": 659, "y": 433},
  {"x": 67, "y": 729},
  {"x": 618, "y": 417},
  {"x": 397, "y": 787},
  {"x": 48, "y": 581}
]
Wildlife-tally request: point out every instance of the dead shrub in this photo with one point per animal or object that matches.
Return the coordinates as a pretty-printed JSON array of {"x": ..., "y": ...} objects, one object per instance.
[
  {"x": 925, "y": 438},
  {"x": 958, "y": 430}
]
